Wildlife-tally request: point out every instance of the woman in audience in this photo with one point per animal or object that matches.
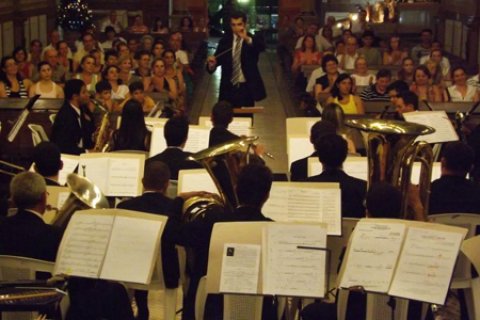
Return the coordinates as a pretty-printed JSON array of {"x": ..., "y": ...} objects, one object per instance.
[
  {"x": 339, "y": 47},
  {"x": 133, "y": 133},
  {"x": 394, "y": 55},
  {"x": 97, "y": 54},
  {"x": 423, "y": 87},
  {"x": 333, "y": 113},
  {"x": 12, "y": 85},
  {"x": 158, "y": 27},
  {"x": 186, "y": 24},
  {"x": 146, "y": 43},
  {"x": 46, "y": 87},
  {"x": 406, "y": 72},
  {"x": 326, "y": 39},
  {"x": 173, "y": 72},
  {"x": 436, "y": 73},
  {"x": 160, "y": 82},
  {"x": 86, "y": 73},
  {"x": 307, "y": 55},
  {"x": 125, "y": 65},
  {"x": 158, "y": 49},
  {"x": 63, "y": 59},
  {"x": 138, "y": 25},
  {"x": 20, "y": 56},
  {"x": 460, "y": 90},
  {"x": 324, "y": 83},
  {"x": 343, "y": 96},
  {"x": 443, "y": 62},
  {"x": 35, "y": 54},
  {"x": 119, "y": 90},
  {"x": 361, "y": 77}
]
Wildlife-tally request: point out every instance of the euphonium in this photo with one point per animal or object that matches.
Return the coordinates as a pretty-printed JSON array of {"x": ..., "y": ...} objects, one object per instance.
[
  {"x": 392, "y": 150},
  {"x": 83, "y": 195},
  {"x": 223, "y": 163},
  {"x": 102, "y": 135}
]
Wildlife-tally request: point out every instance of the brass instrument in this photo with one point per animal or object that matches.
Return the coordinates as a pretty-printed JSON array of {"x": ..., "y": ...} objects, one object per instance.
[
  {"x": 392, "y": 150},
  {"x": 10, "y": 169},
  {"x": 223, "y": 163},
  {"x": 83, "y": 195},
  {"x": 103, "y": 133}
]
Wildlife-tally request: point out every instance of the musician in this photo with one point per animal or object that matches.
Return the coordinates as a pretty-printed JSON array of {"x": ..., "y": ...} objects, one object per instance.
[
  {"x": 153, "y": 200},
  {"x": 222, "y": 116},
  {"x": 176, "y": 134},
  {"x": 405, "y": 101},
  {"x": 47, "y": 162},
  {"x": 299, "y": 168},
  {"x": 73, "y": 127},
  {"x": 332, "y": 151},
  {"x": 133, "y": 133},
  {"x": 241, "y": 83},
  {"x": 453, "y": 192}
]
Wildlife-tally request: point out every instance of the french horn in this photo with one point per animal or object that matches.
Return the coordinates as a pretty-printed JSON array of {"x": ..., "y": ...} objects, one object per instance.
[{"x": 392, "y": 150}]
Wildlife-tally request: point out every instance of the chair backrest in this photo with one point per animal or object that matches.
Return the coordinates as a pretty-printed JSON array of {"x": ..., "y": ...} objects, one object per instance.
[
  {"x": 172, "y": 189},
  {"x": 22, "y": 268},
  {"x": 52, "y": 117},
  {"x": 38, "y": 133},
  {"x": 469, "y": 221}
]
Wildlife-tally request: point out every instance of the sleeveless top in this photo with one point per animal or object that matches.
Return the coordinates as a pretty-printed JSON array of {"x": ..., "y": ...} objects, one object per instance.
[
  {"x": 93, "y": 83},
  {"x": 455, "y": 95},
  {"x": 350, "y": 107},
  {"x": 50, "y": 94},
  {"x": 166, "y": 86},
  {"x": 16, "y": 94}
]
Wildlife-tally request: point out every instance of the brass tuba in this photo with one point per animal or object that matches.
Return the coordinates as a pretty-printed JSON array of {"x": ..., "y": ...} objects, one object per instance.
[
  {"x": 392, "y": 150},
  {"x": 83, "y": 195},
  {"x": 223, "y": 163}
]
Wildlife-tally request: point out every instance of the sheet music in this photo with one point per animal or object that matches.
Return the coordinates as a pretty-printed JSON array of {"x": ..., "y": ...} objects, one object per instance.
[
  {"x": 291, "y": 203},
  {"x": 131, "y": 251},
  {"x": 295, "y": 260},
  {"x": 353, "y": 166},
  {"x": 298, "y": 148},
  {"x": 240, "y": 268},
  {"x": 438, "y": 120},
  {"x": 197, "y": 139},
  {"x": 95, "y": 171},
  {"x": 157, "y": 143},
  {"x": 124, "y": 177},
  {"x": 195, "y": 180},
  {"x": 372, "y": 256},
  {"x": 70, "y": 163},
  {"x": 62, "y": 197},
  {"x": 426, "y": 265},
  {"x": 83, "y": 245},
  {"x": 436, "y": 172}
]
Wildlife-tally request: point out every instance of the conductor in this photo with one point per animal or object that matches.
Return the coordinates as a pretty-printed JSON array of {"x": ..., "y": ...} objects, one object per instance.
[{"x": 237, "y": 53}]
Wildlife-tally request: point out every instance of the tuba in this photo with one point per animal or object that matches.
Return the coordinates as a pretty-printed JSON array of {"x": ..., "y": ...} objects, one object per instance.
[
  {"x": 392, "y": 151},
  {"x": 83, "y": 195},
  {"x": 223, "y": 163}
]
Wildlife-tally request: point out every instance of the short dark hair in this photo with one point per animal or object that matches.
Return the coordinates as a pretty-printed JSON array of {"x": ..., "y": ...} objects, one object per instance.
[
  {"x": 239, "y": 14},
  {"x": 41, "y": 64},
  {"x": 409, "y": 97},
  {"x": 368, "y": 33},
  {"x": 110, "y": 53},
  {"x": 458, "y": 157},
  {"x": 140, "y": 53},
  {"x": 103, "y": 85},
  {"x": 384, "y": 201},
  {"x": 47, "y": 159},
  {"x": 321, "y": 128},
  {"x": 426, "y": 30},
  {"x": 335, "y": 91},
  {"x": 398, "y": 85},
  {"x": 176, "y": 131},
  {"x": 332, "y": 150},
  {"x": 254, "y": 184},
  {"x": 327, "y": 58},
  {"x": 73, "y": 87},
  {"x": 222, "y": 113},
  {"x": 424, "y": 69},
  {"x": 109, "y": 29},
  {"x": 383, "y": 73},
  {"x": 136, "y": 85},
  {"x": 156, "y": 175},
  {"x": 456, "y": 69},
  {"x": 333, "y": 113}
]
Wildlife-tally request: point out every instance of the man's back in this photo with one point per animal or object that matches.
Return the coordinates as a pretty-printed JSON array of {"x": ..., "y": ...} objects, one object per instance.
[
  {"x": 353, "y": 191},
  {"x": 176, "y": 160},
  {"x": 219, "y": 135},
  {"x": 451, "y": 194}
]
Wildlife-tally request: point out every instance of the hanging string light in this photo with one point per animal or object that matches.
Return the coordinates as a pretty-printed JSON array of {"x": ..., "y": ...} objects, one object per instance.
[{"x": 74, "y": 15}]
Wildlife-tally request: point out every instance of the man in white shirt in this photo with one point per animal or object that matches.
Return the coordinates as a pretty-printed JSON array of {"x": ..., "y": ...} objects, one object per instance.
[
  {"x": 347, "y": 61},
  {"x": 313, "y": 31},
  {"x": 111, "y": 21}
]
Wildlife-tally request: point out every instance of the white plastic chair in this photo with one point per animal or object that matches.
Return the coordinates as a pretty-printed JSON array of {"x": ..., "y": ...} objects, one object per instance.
[
  {"x": 462, "y": 275},
  {"x": 52, "y": 117},
  {"x": 38, "y": 133}
]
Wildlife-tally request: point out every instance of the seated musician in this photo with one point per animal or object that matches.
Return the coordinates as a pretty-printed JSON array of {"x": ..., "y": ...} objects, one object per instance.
[
  {"x": 176, "y": 134},
  {"x": 47, "y": 162},
  {"x": 332, "y": 151},
  {"x": 73, "y": 127},
  {"x": 153, "y": 200},
  {"x": 405, "y": 101},
  {"x": 103, "y": 95},
  {"x": 222, "y": 116},
  {"x": 26, "y": 234}
]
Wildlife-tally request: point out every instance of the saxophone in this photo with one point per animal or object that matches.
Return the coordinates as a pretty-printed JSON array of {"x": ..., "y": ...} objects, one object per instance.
[{"x": 103, "y": 133}]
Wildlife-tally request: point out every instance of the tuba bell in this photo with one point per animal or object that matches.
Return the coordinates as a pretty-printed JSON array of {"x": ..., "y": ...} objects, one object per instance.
[
  {"x": 83, "y": 195},
  {"x": 223, "y": 163},
  {"x": 392, "y": 151}
]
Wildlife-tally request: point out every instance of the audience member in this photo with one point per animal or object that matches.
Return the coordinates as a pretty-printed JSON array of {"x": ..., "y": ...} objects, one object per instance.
[
  {"x": 138, "y": 25},
  {"x": 186, "y": 24},
  {"x": 59, "y": 73},
  {"x": 422, "y": 87},
  {"x": 158, "y": 27},
  {"x": 422, "y": 49},
  {"x": 63, "y": 58},
  {"x": 475, "y": 81},
  {"x": 111, "y": 58},
  {"x": 146, "y": 43},
  {"x": 88, "y": 44},
  {"x": 20, "y": 56},
  {"x": 119, "y": 90},
  {"x": 361, "y": 76},
  {"x": 158, "y": 49},
  {"x": 46, "y": 87},
  {"x": 175, "y": 42},
  {"x": 86, "y": 73},
  {"x": 312, "y": 30},
  {"x": 174, "y": 72},
  {"x": 394, "y": 54},
  {"x": 111, "y": 36},
  {"x": 308, "y": 106},
  {"x": 98, "y": 56},
  {"x": 133, "y": 133},
  {"x": 308, "y": 54},
  {"x": 326, "y": 39},
  {"x": 103, "y": 95},
  {"x": 325, "y": 83},
  {"x": 12, "y": 85},
  {"x": 370, "y": 53},
  {"x": 137, "y": 92},
  {"x": 442, "y": 61},
  {"x": 437, "y": 77},
  {"x": 125, "y": 64},
  {"x": 347, "y": 60},
  {"x": 112, "y": 22},
  {"x": 407, "y": 72},
  {"x": 35, "y": 53},
  {"x": 47, "y": 162},
  {"x": 460, "y": 90},
  {"x": 378, "y": 90},
  {"x": 341, "y": 94},
  {"x": 160, "y": 82}
]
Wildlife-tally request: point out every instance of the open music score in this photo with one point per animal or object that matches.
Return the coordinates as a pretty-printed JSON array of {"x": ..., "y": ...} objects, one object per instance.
[
  {"x": 293, "y": 262},
  {"x": 444, "y": 131},
  {"x": 195, "y": 180},
  {"x": 116, "y": 174},
  {"x": 111, "y": 244},
  {"x": 407, "y": 259},
  {"x": 298, "y": 147},
  {"x": 239, "y": 126},
  {"x": 56, "y": 197},
  {"x": 197, "y": 140},
  {"x": 306, "y": 202}
]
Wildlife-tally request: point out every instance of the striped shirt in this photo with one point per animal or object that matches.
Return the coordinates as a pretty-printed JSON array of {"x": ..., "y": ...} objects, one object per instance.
[
  {"x": 22, "y": 93},
  {"x": 474, "y": 81},
  {"x": 370, "y": 93}
]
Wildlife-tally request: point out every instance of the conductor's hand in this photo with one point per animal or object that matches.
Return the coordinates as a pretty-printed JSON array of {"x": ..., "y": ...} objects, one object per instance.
[
  {"x": 243, "y": 34},
  {"x": 211, "y": 62}
]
